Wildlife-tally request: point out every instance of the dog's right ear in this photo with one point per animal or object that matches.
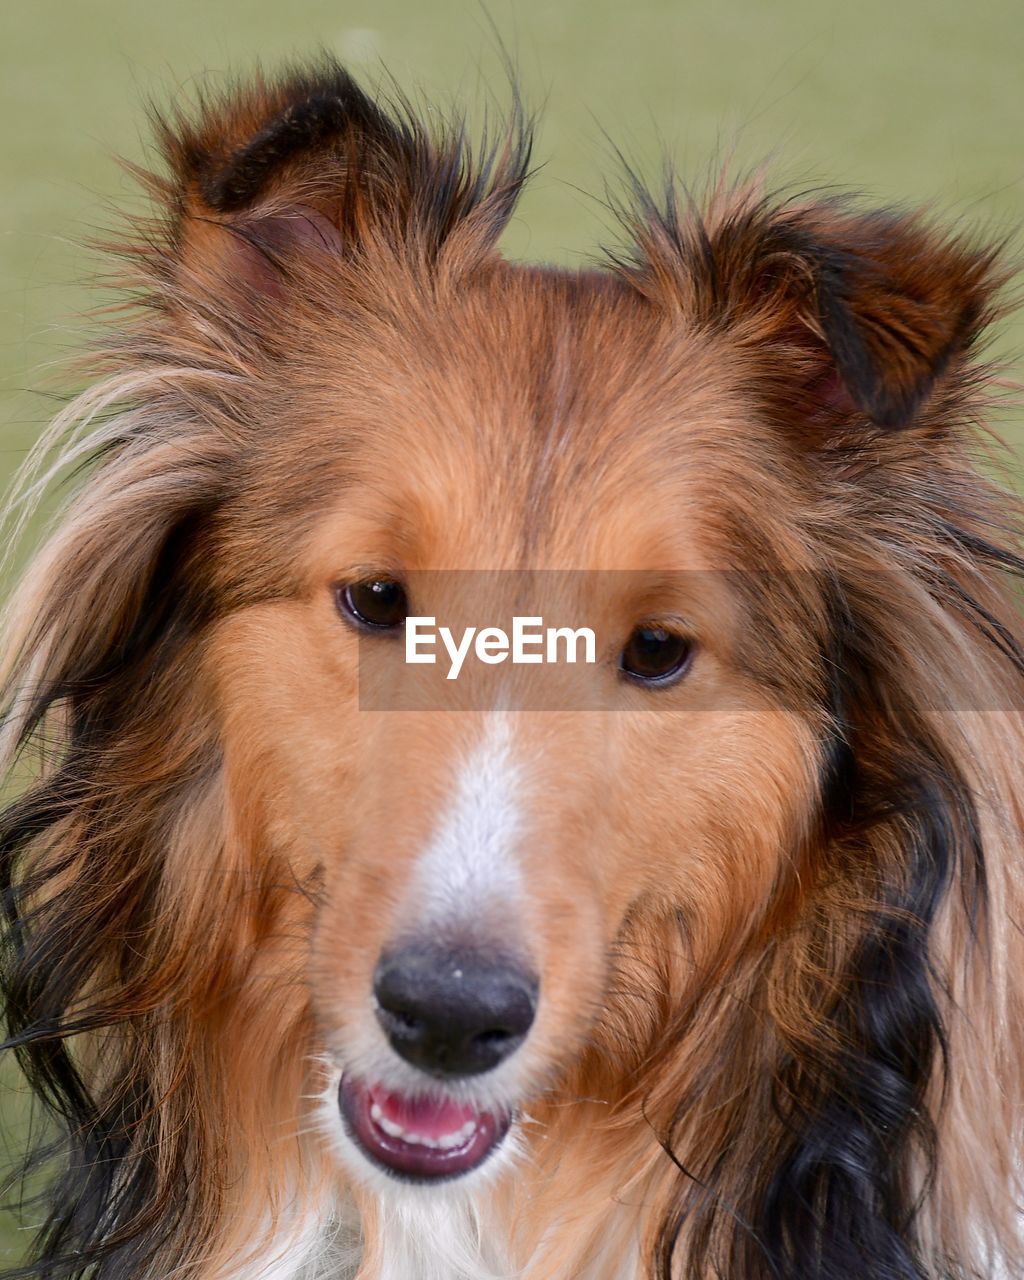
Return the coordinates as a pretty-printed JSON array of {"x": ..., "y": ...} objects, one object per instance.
[{"x": 271, "y": 181}]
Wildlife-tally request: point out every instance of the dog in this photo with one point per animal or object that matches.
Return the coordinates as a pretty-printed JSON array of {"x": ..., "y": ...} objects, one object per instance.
[{"x": 702, "y": 959}]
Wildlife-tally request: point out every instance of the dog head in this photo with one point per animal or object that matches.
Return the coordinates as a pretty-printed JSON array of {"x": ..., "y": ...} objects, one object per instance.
[{"x": 721, "y": 455}]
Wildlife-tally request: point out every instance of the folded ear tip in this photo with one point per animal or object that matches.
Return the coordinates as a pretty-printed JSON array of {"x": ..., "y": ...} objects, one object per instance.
[
  {"x": 232, "y": 152},
  {"x": 894, "y": 412},
  {"x": 905, "y": 308}
]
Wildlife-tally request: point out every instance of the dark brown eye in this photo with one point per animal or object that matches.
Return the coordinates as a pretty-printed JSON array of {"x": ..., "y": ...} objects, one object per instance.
[
  {"x": 656, "y": 655},
  {"x": 380, "y": 603}
]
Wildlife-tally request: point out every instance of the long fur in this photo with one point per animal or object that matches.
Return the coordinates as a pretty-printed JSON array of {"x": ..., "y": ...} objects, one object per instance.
[{"x": 802, "y": 1062}]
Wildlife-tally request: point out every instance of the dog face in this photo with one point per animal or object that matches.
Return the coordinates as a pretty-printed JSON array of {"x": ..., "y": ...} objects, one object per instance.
[{"x": 503, "y": 829}]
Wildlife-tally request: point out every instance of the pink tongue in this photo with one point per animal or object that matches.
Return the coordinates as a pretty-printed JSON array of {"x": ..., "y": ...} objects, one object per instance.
[{"x": 428, "y": 1117}]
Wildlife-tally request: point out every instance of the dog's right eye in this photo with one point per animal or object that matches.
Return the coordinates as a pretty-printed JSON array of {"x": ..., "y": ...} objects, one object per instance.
[{"x": 379, "y": 603}]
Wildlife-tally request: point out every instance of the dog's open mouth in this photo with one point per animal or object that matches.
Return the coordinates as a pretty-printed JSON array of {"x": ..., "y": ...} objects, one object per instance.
[{"x": 421, "y": 1139}]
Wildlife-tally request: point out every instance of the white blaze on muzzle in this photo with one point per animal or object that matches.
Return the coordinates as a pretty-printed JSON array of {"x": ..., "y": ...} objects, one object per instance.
[{"x": 471, "y": 862}]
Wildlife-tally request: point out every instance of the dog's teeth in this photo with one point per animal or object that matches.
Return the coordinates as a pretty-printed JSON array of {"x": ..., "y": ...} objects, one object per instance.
[
  {"x": 449, "y": 1141},
  {"x": 446, "y": 1142},
  {"x": 459, "y": 1138},
  {"x": 390, "y": 1128}
]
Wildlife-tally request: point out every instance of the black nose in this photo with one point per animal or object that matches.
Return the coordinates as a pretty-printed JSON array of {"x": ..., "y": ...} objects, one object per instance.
[{"x": 453, "y": 1012}]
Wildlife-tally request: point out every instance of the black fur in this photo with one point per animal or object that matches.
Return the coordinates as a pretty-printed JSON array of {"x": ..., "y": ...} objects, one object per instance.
[
  {"x": 843, "y": 1190},
  {"x": 840, "y": 1201},
  {"x": 104, "y": 1214}
]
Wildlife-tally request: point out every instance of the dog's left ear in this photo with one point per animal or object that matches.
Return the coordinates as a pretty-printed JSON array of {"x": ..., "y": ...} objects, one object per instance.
[
  {"x": 271, "y": 181},
  {"x": 895, "y": 304},
  {"x": 855, "y": 313}
]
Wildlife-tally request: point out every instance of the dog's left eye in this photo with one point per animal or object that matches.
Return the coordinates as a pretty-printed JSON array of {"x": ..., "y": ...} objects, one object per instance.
[
  {"x": 656, "y": 656},
  {"x": 380, "y": 603}
]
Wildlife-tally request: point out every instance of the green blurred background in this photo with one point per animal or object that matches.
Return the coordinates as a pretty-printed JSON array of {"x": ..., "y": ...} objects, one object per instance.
[{"x": 905, "y": 100}]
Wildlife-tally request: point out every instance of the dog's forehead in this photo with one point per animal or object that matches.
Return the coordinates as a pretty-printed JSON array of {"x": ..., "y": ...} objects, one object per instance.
[{"x": 539, "y": 416}]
